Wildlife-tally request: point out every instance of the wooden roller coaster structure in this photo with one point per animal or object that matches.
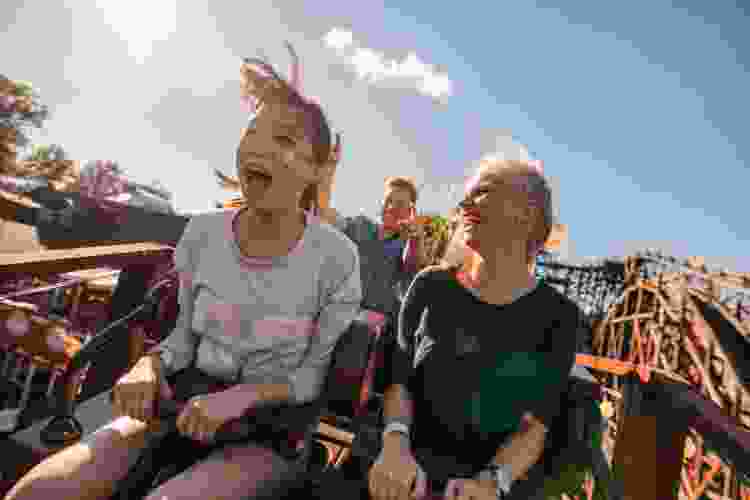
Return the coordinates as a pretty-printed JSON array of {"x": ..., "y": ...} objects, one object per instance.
[{"x": 657, "y": 317}]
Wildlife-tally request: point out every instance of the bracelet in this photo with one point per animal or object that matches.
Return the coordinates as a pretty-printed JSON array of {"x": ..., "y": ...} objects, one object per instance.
[{"x": 399, "y": 427}]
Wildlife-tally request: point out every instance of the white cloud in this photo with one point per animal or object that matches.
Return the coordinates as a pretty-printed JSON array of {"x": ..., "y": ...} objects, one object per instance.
[
  {"x": 166, "y": 104},
  {"x": 373, "y": 67},
  {"x": 140, "y": 23},
  {"x": 508, "y": 147},
  {"x": 338, "y": 39}
]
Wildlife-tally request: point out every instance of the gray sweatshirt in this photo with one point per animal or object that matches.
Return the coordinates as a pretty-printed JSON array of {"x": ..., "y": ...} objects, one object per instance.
[{"x": 272, "y": 320}]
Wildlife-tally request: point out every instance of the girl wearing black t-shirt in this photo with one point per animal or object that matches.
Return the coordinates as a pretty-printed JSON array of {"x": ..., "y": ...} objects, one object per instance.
[{"x": 484, "y": 353}]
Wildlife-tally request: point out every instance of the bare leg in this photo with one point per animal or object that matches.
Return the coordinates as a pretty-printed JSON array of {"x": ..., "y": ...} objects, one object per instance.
[
  {"x": 89, "y": 469},
  {"x": 234, "y": 472}
]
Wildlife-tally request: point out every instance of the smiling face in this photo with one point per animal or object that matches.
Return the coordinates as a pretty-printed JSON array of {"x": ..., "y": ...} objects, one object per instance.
[
  {"x": 397, "y": 199},
  {"x": 398, "y": 207},
  {"x": 502, "y": 208}
]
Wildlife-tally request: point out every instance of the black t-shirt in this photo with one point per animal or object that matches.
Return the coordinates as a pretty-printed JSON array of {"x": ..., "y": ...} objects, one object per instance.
[{"x": 462, "y": 359}]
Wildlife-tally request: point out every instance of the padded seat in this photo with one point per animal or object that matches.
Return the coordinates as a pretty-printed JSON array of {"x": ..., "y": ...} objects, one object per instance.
[{"x": 344, "y": 396}]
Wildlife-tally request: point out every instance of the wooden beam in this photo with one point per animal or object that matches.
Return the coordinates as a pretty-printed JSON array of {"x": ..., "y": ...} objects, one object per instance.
[
  {"x": 620, "y": 368},
  {"x": 67, "y": 260},
  {"x": 609, "y": 365},
  {"x": 649, "y": 447},
  {"x": 631, "y": 317}
]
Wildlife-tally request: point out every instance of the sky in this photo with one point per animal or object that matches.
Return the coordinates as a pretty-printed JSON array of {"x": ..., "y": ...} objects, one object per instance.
[{"x": 638, "y": 109}]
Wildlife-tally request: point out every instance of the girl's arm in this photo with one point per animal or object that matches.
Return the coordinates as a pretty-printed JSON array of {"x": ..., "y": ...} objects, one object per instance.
[
  {"x": 523, "y": 449},
  {"x": 177, "y": 351},
  {"x": 397, "y": 404}
]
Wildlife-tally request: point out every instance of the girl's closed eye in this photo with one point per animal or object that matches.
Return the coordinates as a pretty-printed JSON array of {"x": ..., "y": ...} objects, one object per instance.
[
  {"x": 286, "y": 140},
  {"x": 479, "y": 192}
]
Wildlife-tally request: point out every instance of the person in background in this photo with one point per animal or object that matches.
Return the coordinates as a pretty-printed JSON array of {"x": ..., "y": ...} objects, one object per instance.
[
  {"x": 391, "y": 252},
  {"x": 484, "y": 353},
  {"x": 397, "y": 227},
  {"x": 266, "y": 291}
]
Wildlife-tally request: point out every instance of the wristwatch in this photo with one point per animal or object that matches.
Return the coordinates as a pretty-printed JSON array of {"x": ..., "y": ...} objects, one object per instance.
[
  {"x": 399, "y": 427},
  {"x": 502, "y": 478}
]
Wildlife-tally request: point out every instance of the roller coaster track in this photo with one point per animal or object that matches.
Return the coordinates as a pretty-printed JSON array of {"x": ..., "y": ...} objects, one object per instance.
[{"x": 652, "y": 313}]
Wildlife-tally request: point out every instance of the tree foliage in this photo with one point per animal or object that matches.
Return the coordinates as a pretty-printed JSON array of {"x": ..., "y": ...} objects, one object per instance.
[{"x": 20, "y": 109}]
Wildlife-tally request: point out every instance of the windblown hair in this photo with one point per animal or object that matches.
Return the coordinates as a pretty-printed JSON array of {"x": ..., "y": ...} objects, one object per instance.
[{"x": 261, "y": 86}]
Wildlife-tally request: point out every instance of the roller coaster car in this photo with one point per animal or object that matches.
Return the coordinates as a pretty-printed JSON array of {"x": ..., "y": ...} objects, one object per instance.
[{"x": 348, "y": 417}]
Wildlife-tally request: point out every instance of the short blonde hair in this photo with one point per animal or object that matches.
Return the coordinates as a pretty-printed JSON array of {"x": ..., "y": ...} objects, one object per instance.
[
  {"x": 405, "y": 183},
  {"x": 538, "y": 192}
]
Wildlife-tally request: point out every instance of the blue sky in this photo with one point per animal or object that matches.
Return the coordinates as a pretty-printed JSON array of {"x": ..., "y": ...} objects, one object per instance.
[{"x": 638, "y": 109}]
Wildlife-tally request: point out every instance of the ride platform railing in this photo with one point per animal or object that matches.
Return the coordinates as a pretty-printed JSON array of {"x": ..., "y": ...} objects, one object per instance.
[{"x": 35, "y": 340}]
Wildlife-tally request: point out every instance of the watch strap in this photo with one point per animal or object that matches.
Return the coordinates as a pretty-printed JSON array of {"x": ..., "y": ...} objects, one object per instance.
[
  {"x": 399, "y": 427},
  {"x": 503, "y": 479}
]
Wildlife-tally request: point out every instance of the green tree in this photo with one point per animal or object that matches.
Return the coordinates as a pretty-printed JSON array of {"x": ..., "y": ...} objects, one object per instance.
[
  {"x": 21, "y": 110},
  {"x": 42, "y": 152}
]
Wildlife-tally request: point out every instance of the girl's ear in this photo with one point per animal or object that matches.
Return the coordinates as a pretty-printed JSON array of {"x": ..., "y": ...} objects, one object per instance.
[{"x": 532, "y": 217}]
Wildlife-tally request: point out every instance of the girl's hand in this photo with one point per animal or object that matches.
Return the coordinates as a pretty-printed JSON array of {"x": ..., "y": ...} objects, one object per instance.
[
  {"x": 135, "y": 393},
  {"x": 204, "y": 415},
  {"x": 470, "y": 489},
  {"x": 396, "y": 475}
]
